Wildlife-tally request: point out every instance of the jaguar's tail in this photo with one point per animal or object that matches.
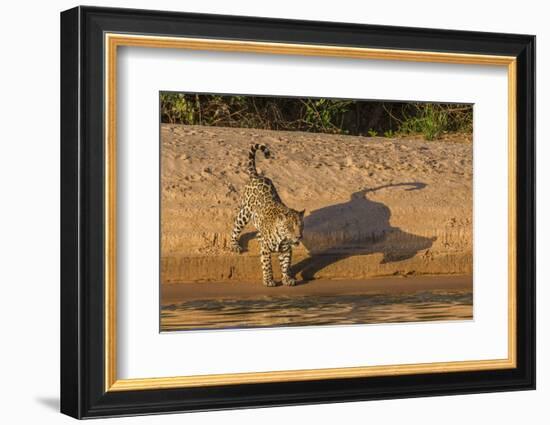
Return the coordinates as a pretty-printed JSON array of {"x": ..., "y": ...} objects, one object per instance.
[{"x": 251, "y": 168}]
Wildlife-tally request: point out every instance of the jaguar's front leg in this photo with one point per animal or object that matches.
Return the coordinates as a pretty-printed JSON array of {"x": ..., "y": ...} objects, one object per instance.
[
  {"x": 267, "y": 271},
  {"x": 285, "y": 258}
]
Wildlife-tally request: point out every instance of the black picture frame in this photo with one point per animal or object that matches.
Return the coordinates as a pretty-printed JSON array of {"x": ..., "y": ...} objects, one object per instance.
[{"x": 83, "y": 392}]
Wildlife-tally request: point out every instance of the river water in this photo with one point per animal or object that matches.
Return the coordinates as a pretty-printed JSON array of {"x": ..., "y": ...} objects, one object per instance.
[{"x": 270, "y": 311}]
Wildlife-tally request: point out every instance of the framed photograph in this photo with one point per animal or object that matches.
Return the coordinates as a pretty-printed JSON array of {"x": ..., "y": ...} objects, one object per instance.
[{"x": 261, "y": 212}]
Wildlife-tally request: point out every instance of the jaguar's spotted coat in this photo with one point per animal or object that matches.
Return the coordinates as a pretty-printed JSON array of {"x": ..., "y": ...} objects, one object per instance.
[{"x": 279, "y": 227}]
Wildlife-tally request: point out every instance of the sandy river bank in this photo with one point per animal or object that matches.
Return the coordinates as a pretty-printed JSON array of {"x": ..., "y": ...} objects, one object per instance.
[{"x": 374, "y": 206}]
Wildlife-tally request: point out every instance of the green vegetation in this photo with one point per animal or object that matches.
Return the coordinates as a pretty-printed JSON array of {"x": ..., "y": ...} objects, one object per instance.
[
  {"x": 326, "y": 115},
  {"x": 334, "y": 116},
  {"x": 432, "y": 119}
]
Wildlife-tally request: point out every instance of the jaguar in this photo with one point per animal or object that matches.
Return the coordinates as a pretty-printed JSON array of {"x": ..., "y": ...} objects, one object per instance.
[{"x": 279, "y": 227}]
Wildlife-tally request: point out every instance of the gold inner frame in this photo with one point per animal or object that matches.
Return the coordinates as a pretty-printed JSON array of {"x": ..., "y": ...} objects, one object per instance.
[{"x": 113, "y": 41}]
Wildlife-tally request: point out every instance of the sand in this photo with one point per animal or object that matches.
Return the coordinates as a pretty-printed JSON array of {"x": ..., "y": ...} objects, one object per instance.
[{"x": 374, "y": 206}]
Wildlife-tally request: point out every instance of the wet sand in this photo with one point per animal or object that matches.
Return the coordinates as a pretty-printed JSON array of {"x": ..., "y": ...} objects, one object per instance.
[
  {"x": 173, "y": 293},
  {"x": 337, "y": 302}
]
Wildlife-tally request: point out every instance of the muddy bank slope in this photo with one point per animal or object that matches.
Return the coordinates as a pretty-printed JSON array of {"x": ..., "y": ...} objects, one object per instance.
[{"x": 374, "y": 206}]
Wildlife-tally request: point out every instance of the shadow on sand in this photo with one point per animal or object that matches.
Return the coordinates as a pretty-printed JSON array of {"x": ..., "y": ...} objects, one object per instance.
[{"x": 357, "y": 227}]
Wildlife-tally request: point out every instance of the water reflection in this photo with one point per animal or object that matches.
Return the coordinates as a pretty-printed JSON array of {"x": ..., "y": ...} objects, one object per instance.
[{"x": 269, "y": 311}]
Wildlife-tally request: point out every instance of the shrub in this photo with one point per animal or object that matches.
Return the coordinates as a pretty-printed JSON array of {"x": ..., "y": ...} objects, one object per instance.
[{"x": 432, "y": 119}]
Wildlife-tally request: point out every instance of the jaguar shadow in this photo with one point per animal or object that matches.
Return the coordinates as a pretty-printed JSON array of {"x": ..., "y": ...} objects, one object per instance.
[{"x": 359, "y": 226}]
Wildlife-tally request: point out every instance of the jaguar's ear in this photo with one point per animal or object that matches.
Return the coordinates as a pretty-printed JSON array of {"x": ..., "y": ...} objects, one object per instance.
[{"x": 301, "y": 213}]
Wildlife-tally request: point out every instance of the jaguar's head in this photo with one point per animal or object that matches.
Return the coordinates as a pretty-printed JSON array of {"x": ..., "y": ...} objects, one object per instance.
[{"x": 293, "y": 226}]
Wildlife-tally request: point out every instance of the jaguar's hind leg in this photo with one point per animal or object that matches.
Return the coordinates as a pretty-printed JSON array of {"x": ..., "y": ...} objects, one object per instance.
[{"x": 242, "y": 217}]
